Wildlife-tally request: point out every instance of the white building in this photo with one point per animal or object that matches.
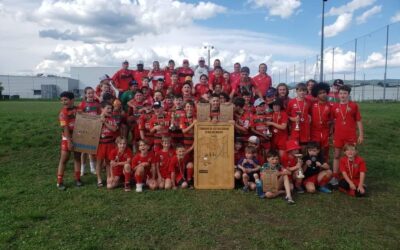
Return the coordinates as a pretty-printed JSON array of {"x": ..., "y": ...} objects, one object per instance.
[{"x": 48, "y": 87}]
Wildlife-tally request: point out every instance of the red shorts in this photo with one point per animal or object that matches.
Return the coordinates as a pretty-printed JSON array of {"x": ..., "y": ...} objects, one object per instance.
[
  {"x": 118, "y": 171},
  {"x": 103, "y": 151},
  {"x": 313, "y": 179},
  {"x": 266, "y": 145},
  {"x": 340, "y": 142},
  {"x": 165, "y": 174},
  {"x": 322, "y": 137},
  {"x": 64, "y": 146},
  {"x": 278, "y": 143}
]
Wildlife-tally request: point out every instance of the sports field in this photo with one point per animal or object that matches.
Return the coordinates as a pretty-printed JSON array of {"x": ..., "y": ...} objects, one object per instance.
[{"x": 35, "y": 215}]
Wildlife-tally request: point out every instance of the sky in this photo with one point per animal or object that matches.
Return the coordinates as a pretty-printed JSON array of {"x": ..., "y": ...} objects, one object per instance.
[{"x": 51, "y": 36}]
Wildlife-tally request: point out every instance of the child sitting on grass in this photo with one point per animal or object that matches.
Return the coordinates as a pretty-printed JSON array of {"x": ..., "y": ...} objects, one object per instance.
[
  {"x": 143, "y": 167},
  {"x": 284, "y": 185},
  {"x": 316, "y": 170},
  {"x": 120, "y": 158},
  {"x": 352, "y": 168},
  {"x": 248, "y": 169}
]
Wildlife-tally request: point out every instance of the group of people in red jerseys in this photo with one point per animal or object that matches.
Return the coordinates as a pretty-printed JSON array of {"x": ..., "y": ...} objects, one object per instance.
[{"x": 155, "y": 112}]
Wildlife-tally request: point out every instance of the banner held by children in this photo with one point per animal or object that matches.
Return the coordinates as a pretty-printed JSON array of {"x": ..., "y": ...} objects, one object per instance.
[{"x": 86, "y": 133}]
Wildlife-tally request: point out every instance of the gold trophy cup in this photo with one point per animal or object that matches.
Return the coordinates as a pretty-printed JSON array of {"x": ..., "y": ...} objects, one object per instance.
[{"x": 300, "y": 174}]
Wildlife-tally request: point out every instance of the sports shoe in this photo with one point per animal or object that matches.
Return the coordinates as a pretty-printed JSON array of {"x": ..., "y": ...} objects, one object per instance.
[
  {"x": 334, "y": 182},
  {"x": 78, "y": 183},
  {"x": 324, "y": 190},
  {"x": 300, "y": 190},
  {"x": 245, "y": 189},
  {"x": 61, "y": 186},
  {"x": 99, "y": 184},
  {"x": 127, "y": 188},
  {"x": 83, "y": 170},
  {"x": 290, "y": 201},
  {"x": 139, "y": 188}
]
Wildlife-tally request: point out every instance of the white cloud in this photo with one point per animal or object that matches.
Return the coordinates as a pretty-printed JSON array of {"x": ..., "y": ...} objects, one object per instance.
[
  {"x": 396, "y": 17},
  {"x": 369, "y": 13},
  {"x": 248, "y": 48},
  {"x": 377, "y": 59},
  {"x": 342, "y": 23},
  {"x": 349, "y": 7},
  {"x": 94, "y": 21},
  {"x": 283, "y": 9}
]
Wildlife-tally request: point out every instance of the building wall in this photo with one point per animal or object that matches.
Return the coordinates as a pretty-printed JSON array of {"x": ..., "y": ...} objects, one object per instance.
[{"x": 31, "y": 86}]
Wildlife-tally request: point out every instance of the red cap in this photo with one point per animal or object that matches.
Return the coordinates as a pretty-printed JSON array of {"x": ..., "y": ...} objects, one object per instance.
[{"x": 292, "y": 145}]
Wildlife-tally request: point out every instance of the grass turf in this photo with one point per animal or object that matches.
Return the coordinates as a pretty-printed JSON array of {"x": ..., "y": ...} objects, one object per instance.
[{"x": 34, "y": 214}]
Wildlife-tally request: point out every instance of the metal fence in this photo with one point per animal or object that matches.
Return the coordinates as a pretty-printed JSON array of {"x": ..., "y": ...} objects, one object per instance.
[{"x": 366, "y": 63}]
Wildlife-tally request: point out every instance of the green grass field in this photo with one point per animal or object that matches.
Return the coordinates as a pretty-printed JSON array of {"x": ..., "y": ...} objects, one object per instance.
[{"x": 35, "y": 215}]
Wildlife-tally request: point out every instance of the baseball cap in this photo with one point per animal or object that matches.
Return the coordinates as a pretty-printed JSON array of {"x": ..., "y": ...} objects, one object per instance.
[
  {"x": 104, "y": 77},
  {"x": 338, "y": 82},
  {"x": 258, "y": 102},
  {"x": 253, "y": 139},
  {"x": 160, "y": 80},
  {"x": 245, "y": 69},
  {"x": 157, "y": 105},
  {"x": 185, "y": 61},
  {"x": 125, "y": 62},
  {"x": 133, "y": 82},
  {"x": 270, "y": 92},
  {"x": 140, "y": 62},
  {"x": 201, "y": 59},
  {"x": 292, "y": 145}
]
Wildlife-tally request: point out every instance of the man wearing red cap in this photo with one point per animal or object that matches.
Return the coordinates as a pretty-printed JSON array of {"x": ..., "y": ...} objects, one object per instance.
[
  {"x": 123, "y": 77},
  {"x": 184, "y": 71},
  {"x": 262, "y": 81}
]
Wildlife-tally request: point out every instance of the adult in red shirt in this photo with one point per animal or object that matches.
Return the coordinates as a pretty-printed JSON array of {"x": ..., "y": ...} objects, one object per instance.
[
  {"x": 123, "y": 77},
  {"x": 321, "y": 114},
  {"x": 262, "y": 81},
  {"x": 235, "y": 75},
  {"x": 140, "y": 73},
  {"x": 156, "y": 74},
  {"x": 168, "y": 71},
  {"x": 184, "y": 71}
]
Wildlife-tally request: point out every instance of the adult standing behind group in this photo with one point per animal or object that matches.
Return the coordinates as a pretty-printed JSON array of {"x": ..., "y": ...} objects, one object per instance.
[
  {"x": 262, "y": 81},
  {"x": 184, "y": 71},
  {"x": 140, "y": 72},
  {"x": 199, "y": 70},
  {"x": 123, "y": 77}
]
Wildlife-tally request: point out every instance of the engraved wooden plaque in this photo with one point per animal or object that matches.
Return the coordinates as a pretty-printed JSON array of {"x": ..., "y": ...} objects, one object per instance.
[{"x": 214, "y": 155}]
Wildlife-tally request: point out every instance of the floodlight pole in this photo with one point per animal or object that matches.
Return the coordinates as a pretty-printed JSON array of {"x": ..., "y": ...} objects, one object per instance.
[
  {"x": 386, "y": 57},
  {"x": 208, "y": 48},
  {"x": 321, "y": 72}
]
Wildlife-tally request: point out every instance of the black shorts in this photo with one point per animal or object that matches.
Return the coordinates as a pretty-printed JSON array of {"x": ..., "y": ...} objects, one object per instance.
[
  {"x": 251, "y": 175},
  {"x": 343, "y": 184}
]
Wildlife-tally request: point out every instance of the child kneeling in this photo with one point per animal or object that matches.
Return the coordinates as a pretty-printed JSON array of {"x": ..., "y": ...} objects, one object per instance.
[
  {"x": 352, "y": 168},
  {"x": 120, "y": 165}
]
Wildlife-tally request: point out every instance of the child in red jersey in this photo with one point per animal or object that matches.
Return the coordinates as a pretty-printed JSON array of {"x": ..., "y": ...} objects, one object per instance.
[
  {"x": 248, "y": 107},
  {"x": 106, "y": 143},
  {"x": 91, "y": 107},
  {"x": 143, "y": 167},
  {"x": 242, "y": 120},
  {"x": 352, "y": 168},
  {"x": 202, "y": 88},
  {"x": 316, "y": 170},
  {"x": 159, "y": 124},
  {"x": 181, "y": 169},
  {"x": 176, "y": 114},
  {"x": 258, "y": 124},
  {"x": 187, "y": 92},
  {"x": 309, "y": 96},
  {"x": 162, "y": 160},
  {"x": 120, "y": 117},
  {"x": 215, "y": 105},
  {"x": 248, "y": 168},
  {"x": 136, "y": 106},
  {"x": 187, "y": 122},
  {"x": 120, "y": 158},
  {"x": 298, "y": 111},
  {"x": 279, "y": 127},
  {"x": 321, "y": 117},
  {"x": 347, "y": 119},
  {"x": 158, "y": 96},
  {"x": 67, "y": 122},
  {"x": 144, "y": 124},
  {"x": 284, "y": 185},
  {"x": 292, "y": 161}
]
